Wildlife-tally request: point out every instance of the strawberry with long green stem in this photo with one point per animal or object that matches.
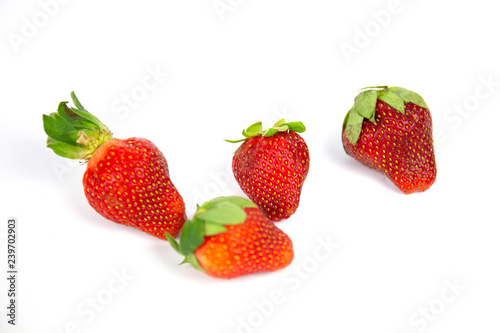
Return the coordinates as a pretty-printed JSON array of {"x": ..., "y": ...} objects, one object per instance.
[{"x": 127, "y": 180}]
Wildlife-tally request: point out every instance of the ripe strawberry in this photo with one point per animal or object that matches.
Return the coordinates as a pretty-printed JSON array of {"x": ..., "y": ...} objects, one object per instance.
[
  {"x": 230, "y": 237},
  {"x": 390, "y": 129},
  {"x": 126, "y": 181},
  {"x": 271, "y": 166}
]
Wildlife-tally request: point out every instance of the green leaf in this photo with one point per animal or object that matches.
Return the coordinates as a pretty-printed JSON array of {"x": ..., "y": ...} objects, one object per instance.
[
  {"x": 282, "y": 126},
  {"x": 372, "y": 119},
  {"x": 296, "y": 126},
  {"x": 173, "y": 242},
  {"x": 345, "y": 120},
  {"x": 222, "y": 213},
  {"x": 83, "y": 114},
  {"x": 365, "y": 103},
  {"x": 409, "y": 96},
  {"x": 375, "y": 87},
  {"x": 253, "y": 130},
  {"x": 238, "y": 201},
  {"x": 76, "y": 101},
  {"x": 64, "y": 111},
  {"x": 393, "y": 99},
  {"x": 279, "y": 123},
  {"x": 59, "y": 129},
  {"x": 87, "y": 115},
  {"x": 191, "y": 258},
  {"x": 74, "y": 118},
  {"x": 273, "y": 130},
  {"x": 270, "y": 132},
  {"x": 353, "y": 126},
  {"x": 214, "y": 229},
  {"x": 66, "y": 150},
  {"x": 191, "y": 237},
  {"x": 91, "y": 118},
  {"x": 235, "y": 141},
  {"x": 279, "y": 126}
]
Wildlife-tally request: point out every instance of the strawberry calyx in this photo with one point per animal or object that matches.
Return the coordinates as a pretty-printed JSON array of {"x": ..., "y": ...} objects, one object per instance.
[
  {"x": 365, "y": 106},
  {"x": 280, "y": 126},
  {"x": 73, "y": 132},
  {"x": 210, "y": 219}
]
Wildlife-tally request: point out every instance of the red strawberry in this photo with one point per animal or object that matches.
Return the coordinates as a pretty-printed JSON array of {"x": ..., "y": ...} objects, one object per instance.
[
  {"x": 126, "y": 181},
  {"x": 230, "y": 237},
  {"x": 271, "y": 166},
  {"x": 390, "y": 129}
]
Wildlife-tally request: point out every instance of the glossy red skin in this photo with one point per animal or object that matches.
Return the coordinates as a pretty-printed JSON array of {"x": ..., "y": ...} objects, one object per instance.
[
  {"x": 400, "y": 146},
  {"x": 127, "y": 181},
  {"x": 271, "y": 172},
  {"x": 257, "y": 245}
]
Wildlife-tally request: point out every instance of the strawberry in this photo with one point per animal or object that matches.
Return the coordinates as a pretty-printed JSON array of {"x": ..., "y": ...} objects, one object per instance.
[
  {"x": 390, "y": 129},
  {"x": 230, "y": 237},
  {"x": 271, "y": 166},
  {"x": 126, "y": 181}
]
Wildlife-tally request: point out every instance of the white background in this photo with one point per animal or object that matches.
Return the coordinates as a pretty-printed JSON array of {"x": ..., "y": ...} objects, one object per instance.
[{"x": 392, "y": 257}]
